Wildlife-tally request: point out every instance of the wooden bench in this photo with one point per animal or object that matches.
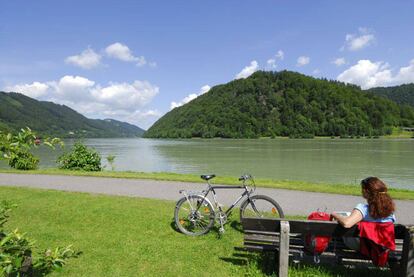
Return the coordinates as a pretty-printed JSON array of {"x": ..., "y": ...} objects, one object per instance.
[{"x": 285, "y": 238}]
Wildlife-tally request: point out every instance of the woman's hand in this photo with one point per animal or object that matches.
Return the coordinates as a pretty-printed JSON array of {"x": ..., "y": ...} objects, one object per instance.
[{"x": 348, "y": 221}]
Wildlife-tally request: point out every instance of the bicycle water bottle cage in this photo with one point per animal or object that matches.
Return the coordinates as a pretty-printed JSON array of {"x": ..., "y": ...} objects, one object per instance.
[{"x": 207, "y": 177}]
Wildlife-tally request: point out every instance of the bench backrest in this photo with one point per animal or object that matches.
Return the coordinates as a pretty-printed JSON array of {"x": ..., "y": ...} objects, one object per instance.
[{"x": 313, "y": 227}]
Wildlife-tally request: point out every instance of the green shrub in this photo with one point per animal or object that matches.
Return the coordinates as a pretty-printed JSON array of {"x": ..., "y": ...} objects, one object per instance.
[
  {"x": 17, "y": 256},
  {"x": 80, "y": 158},
  {"x": 23, "y": 160},
  {"x": 16, "y": 148}
]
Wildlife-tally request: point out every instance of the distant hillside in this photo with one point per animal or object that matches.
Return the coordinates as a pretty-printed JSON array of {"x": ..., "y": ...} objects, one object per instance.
[
  {"x": 403, "y": 94},
  {"x": 47, "y": 118},
  {"x": 282, "y": 104}
]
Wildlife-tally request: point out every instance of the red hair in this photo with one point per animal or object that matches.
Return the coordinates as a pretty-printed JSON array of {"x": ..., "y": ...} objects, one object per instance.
[{"x": 379, "y": 201}]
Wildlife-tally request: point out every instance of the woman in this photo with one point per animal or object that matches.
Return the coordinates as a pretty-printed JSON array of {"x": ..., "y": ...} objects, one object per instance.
[
  {"x": 380, "y": 207},
  {"x": 375, "y": 222}
]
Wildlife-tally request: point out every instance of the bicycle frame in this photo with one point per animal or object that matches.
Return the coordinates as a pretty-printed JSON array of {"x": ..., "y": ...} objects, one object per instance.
[{"x": 213, "y": 189}]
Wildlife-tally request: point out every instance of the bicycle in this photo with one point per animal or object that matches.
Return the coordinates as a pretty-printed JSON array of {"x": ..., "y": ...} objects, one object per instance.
[{"x": 195, "y": 215}]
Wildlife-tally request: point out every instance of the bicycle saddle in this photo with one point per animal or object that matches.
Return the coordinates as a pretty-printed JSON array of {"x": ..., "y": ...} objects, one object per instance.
[{"x": 207, "y": 177}]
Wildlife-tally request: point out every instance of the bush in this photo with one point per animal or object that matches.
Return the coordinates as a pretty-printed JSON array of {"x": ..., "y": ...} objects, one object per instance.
[
  {"x": 80, "y": 158},
  {"x": 17, "y": 256},
  {"x": 23, "y": 160},
  {"x": 16, "y": 148}
]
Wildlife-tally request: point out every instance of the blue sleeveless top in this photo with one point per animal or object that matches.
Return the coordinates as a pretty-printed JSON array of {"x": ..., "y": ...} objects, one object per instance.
[{"x": 364, "y": 209}]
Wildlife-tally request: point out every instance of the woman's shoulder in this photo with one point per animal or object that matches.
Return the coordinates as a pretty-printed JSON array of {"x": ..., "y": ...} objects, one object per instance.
[{"x": 363, "y": 208}]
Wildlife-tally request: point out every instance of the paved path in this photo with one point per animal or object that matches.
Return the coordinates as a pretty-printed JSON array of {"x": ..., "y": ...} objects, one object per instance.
[{"x": 292, "y": 202}]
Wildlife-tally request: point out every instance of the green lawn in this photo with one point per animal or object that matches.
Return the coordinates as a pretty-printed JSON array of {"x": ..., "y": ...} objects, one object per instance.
[
  {"x": 267, "y": 183},
  {"x": 123, "y": 236}
]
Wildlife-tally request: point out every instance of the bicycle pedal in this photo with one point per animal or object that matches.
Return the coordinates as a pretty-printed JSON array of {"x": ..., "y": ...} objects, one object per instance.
[{"x": 221, "y": 230}]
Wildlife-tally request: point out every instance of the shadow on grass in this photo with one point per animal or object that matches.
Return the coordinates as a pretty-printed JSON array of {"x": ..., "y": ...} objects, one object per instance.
[
  {"x": 174, "y": 227},
  {"x": 236, "y": 225},
  {"x": 266, "y": 263}
]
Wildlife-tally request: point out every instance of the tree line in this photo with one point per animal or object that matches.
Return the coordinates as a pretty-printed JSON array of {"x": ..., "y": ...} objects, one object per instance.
[{"x": 269, "y": 104}]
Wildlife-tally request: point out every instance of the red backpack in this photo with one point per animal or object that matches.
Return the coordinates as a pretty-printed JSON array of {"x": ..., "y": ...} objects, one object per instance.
[{"x": 315, "y": 245}]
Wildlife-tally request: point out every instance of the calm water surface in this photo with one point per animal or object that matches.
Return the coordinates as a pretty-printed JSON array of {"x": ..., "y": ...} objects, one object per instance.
[{"x": 318, "y": 160}]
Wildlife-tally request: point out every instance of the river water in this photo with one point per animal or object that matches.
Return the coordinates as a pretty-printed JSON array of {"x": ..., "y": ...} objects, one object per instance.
[{"x": 314, "y": 160}]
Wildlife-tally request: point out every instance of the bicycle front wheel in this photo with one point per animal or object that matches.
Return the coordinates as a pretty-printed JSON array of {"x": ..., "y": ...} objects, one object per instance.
[
  {"x": 260, "y": 206},
  {"x": 194, "y": 215}
]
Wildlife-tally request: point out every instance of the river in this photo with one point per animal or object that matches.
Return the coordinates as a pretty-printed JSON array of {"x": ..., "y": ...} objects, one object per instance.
[{"x": 314, "y": 160}]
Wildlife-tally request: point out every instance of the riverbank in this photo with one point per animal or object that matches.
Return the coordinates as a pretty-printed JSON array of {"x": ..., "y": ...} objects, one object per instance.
[
  {"x": 343, "y": 189},
  {"x": 125, "y": 236}
]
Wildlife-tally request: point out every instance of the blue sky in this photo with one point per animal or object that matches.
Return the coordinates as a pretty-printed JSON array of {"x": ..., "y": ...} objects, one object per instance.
[{"x": 134, "y": 60}]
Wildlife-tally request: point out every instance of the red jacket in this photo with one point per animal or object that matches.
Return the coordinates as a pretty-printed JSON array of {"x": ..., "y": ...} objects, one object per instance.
[{"x": 377, "y": 239}]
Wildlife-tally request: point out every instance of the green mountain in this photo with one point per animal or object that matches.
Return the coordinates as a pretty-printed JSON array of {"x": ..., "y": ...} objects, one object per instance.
[
  {"x": 282, "y": 104},
  {"x": 50, "y": 119},
  {"x": 403, "y": 94}
]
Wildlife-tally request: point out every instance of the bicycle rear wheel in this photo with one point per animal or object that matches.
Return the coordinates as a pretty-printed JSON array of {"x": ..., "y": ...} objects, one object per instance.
[
  {"x": 194, "y": 215},
  {"x": 260, "y": 206}
]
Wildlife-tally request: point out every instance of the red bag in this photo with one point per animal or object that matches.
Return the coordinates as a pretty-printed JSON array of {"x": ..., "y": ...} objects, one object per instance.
[{"x": 315, "y": 245}]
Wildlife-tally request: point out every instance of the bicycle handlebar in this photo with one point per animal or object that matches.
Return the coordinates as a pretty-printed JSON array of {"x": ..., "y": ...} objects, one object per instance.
[{"x": 246, "y": 177}]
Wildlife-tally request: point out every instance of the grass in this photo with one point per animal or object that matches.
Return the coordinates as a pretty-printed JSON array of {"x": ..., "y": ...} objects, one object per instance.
[
  {"x": 122, "y": 236},
  {"x": 403, "y": 194}
]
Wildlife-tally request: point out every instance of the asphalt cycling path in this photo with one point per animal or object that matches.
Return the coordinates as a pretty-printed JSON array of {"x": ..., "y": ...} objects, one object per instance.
[{"x": 292, "y": 202}]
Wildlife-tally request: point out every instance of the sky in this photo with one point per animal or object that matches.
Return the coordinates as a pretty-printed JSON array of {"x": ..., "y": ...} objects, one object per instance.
[{"x": 136, "y": 60}]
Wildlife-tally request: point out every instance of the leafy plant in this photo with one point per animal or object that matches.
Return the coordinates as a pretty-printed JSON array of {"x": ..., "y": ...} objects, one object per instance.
[
  {"x": 111, "y": 160},
  {"x": 23, "y": 160},
  {"x": 54, "y": 260},
  {"x": 80, "y": 158},
  {"x": 16, "y": 148},
  {"x": 16, "y": 252}
]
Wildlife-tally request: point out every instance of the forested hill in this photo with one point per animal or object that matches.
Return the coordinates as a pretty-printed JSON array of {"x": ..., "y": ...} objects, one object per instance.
[
  {"x": 47, "y": 118},
  {"x": 282, "y": 104},
  {"x": 403, "y": 94}
]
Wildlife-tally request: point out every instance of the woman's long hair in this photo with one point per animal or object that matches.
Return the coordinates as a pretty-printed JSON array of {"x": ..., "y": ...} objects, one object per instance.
[{"x": 379, "y": 201}]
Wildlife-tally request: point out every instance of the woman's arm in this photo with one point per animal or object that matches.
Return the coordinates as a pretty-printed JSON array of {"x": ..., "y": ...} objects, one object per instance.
[{"x": 349, "y": 221}]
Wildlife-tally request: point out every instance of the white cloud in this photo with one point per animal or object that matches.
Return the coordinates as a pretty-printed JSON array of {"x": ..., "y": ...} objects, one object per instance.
[
  {"x": 368, "y": 74},
  {"x": 87, "y": 59},
  {"x": 188, "y": 98},
  {"x": 122, "y": 101},
  {"x": 272, "y": 62},
  {"x": 204, "y": 89},
  {"x": 34, "y": 90},
  {"x": 406, "y": 74},
  {"x": 122, "y": 52},
  {"x": 339, "y": 61},
  {"x": 362, "y": 39},
  {"x": 185, "y": 100},
  {"x": 303, "y": 60},
  {"x": 73, "y": 88},
  {"x": 124, "y": 95},
  {"x": 248, "y": 70},
  {"x": 280, "y": 55}
]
